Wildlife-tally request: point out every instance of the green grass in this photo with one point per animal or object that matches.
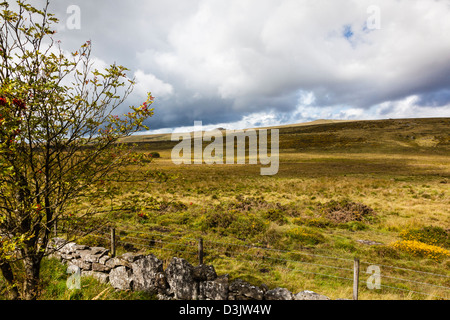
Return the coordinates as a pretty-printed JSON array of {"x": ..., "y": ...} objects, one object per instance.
[
  {"x": 337, "y": 183},
  {"x": 54, "y": 286},
  {"x": 370, "y": 166}
]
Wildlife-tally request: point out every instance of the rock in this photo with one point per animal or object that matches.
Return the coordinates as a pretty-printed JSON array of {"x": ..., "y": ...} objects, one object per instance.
[
  {"x": 278, "y": 294},
  {"x": 121, "y": 278},
  {"x": 100, "y": 267},
  {"x": 77, "y": 247},
  {"x": 93, "y": 254},
  {"x": 69, "y": 256},
  {"x": 116, "y": 262},
  {"x": 241, "y": 290},
  {"x": 56, "y": 242},
  {"x": 369, "y": 242},
  {"x": 264, "y": 287},
  {"x": 99, "y": 250},
  {"x": 91, "y": 258},
  {"x": 145, "y": 271},
  {"x": 179, "y": 277},
  {"x": 100, "y": 276},
  {"x": 130, "y": 257},
  {"x": 216, "y": 289},
  {"x": 104, "y": 259},
  {"x": 309, "y": 295},
  {"x": 161, "y": 282},
  {"x": 80, "y": 264},
  {"x": 204, "y": 273},
  {"x": 83, "y": 254},
  {"x": 67, "y": 248}
]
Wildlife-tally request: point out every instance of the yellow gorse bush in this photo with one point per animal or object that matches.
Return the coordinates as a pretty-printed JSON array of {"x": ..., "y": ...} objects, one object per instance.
[
  {"x": 420, "y": 249},
  {"x": 432, "y": 235}
]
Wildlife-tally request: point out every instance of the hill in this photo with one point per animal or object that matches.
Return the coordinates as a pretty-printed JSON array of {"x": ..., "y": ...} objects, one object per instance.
[{"x": 420, "y": 135}]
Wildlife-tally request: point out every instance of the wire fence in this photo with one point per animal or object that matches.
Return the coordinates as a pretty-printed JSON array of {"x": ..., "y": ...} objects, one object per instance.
[{"x": 379, "y": 278}]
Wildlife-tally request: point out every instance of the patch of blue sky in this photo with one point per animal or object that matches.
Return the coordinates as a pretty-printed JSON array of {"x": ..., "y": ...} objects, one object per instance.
[{"x": 347, "y": 31}]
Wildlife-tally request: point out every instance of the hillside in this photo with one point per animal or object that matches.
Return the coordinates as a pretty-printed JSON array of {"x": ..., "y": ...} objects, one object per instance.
[
  {"x": 380, "y": 136},
  {"x": 376, "y": 190}
]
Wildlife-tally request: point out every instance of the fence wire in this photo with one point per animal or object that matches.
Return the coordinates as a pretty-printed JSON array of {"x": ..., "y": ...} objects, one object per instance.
[{"x": 263, "y": 256}]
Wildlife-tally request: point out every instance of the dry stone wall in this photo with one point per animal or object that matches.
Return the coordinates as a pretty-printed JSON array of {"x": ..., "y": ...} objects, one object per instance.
[{"x": 179, "y": 281}]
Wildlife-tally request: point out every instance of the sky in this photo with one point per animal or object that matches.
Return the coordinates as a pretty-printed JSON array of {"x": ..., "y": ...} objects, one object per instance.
[{"x": 239, "y": 64}]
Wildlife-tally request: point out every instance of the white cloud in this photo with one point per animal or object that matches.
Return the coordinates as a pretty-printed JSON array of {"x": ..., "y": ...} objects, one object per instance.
[
  {"x": 408, "y": 108},
  {"x": 149, "y": 83},
  {"x": 220, "y": 61}
]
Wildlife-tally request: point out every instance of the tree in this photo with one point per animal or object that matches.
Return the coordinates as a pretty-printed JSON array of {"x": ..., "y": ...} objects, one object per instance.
[{"x": 58, "y": 135}]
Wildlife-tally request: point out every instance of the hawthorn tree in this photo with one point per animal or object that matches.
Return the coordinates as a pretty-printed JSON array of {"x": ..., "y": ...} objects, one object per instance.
[{"x": 58, "y": 136}]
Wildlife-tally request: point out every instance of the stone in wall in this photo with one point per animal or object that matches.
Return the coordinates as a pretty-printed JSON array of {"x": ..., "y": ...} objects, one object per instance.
[
  {"x": 309, "y": 295},
  {"x": 242, "y": 290},
  {"x": 204, "y": 272},
  {"x": 148, "y": 274},
  {"x": 216, "y": 289},
  {"x": 80, "y": 264},
  {"x": 179, "y": 275},
  {"x": 121, "y": 278},
  {"x": 278, "y": 294},
  {"x": 180, "y": 280}
]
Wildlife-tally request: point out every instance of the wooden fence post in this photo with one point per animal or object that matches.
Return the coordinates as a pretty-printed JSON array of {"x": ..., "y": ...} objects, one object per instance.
[
  {"x": 113, "y": 242},
  {"x": 200, "y": 250},
  {"x": 355, "y": 278}
]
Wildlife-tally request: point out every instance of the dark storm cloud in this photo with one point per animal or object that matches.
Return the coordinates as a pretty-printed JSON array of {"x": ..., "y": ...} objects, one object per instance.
[
  {"x": 435, "y": 99},
  {"x": 224, "y": 61}
]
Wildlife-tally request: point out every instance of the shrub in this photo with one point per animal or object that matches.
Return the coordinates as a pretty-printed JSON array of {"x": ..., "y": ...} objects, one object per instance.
[
  {"x": 275, "y": 215},
  {"x": 432, "y": 235},
  {"x": 219, "y": 219},
  {"x": 420, "y": 249},
  {"x": 247, "y": 204},
  {"x": 304, "y": 236},
  {"x": 354, "y": 226},
  {"x": 318, "y": 222},
  {"x": 345, "y": 211},
  {"x": 247, "y": 226}
]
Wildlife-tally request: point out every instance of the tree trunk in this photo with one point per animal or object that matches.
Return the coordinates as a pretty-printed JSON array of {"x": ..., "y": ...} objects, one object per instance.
[
  {"x": 32, "y": 268},
  {"x": 8, "y": 274}
]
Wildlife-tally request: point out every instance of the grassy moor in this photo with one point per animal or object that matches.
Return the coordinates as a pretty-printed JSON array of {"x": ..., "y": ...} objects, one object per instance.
[{"x": 375, "y": 190}]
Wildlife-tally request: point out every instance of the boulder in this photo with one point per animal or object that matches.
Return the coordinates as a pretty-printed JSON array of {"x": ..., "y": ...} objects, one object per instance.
[
  {"x": 147, "y": 274},
  {"x": 204, "y": 273},
  {"x": 99, "y": 250},
  {"x": 116, "y": 262},
  {"x": 180, "y": 280},
  {"x": 309, "y": 295},
  {"x": 104, "y": 259},
  {"x": 369, "y": 242},
  {"x": 93, "y": 254},
  {"x": 67, "y": 248},
  {"x": 80, "y": 264},
  {"x": 69, "y": 256},
  {"x": 99, "y": 267},
  {"x": 121, "y": 278},
  {"x": 216, "y": 289},
  {"x": 241, "y": 290},
  {"x": 124, "y": 260},
  {"x": 161, "y": 282},
  {"x": 130, "y": 257},
  {"x": 278, "y": 294}
]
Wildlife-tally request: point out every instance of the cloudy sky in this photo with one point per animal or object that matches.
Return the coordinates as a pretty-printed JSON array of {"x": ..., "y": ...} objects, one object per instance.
[{"x": 247, "y": 63}]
